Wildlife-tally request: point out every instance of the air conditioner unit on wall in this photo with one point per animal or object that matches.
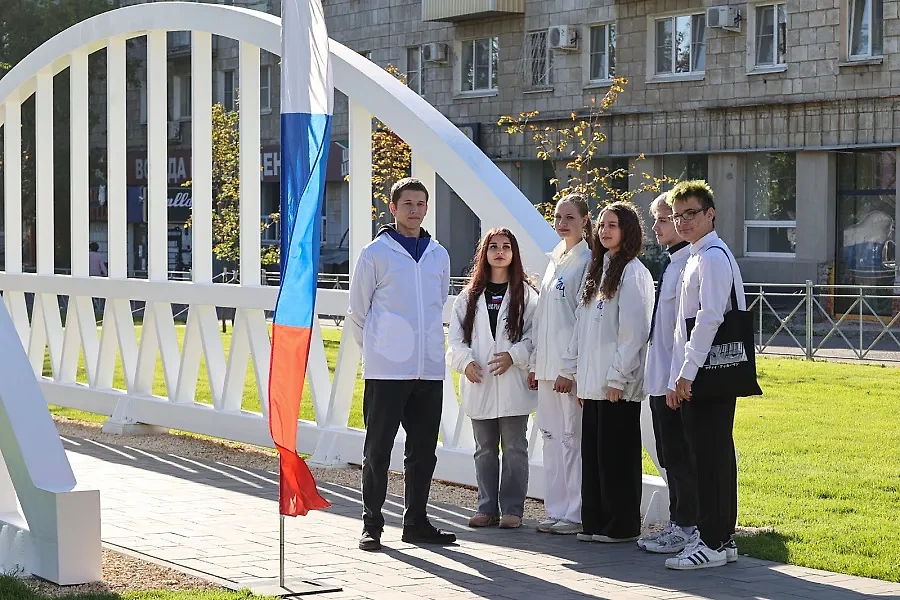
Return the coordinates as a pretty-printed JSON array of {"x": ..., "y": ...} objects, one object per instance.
[
  {"x": 563, "y": 37},
  {"x": 723, "y": 17},
  {"x": 436, "y": 52}
]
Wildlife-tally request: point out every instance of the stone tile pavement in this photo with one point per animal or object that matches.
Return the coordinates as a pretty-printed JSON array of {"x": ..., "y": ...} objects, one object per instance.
[{"x": 222, "y": 521}]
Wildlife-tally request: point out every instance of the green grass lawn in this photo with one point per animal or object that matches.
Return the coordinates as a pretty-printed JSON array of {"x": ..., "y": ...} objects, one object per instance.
[
  {"x": 13, "y": 589},
  {"x": 819, "y": 460}
]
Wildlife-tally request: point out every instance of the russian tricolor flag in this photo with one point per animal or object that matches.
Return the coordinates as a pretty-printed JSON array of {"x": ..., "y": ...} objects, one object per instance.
[{"x": 306, "y": 106}]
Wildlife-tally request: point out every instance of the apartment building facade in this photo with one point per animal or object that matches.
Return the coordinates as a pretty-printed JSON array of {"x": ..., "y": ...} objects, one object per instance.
[{"x": 786, "y": 108}]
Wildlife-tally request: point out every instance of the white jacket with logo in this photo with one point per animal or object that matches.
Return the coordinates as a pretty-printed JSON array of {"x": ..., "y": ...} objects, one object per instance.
[
  {"x": 609, "y": 344},
  {"x": 505, "y": 395},
  {"x": 396, "y": 310},
  {"x": 555, "y": 315}
]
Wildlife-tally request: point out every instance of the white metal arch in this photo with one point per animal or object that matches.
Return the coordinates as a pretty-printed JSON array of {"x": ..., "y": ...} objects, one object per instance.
[
  {"x": 487, "y": 191},
  {"x": 371, "y": 91}
]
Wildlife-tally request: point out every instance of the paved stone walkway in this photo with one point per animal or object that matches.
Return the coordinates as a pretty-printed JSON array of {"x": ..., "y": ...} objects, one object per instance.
[{"x": 222, "y": 521}]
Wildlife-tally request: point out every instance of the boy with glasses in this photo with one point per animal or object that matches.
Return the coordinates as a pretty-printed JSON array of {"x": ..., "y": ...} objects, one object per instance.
[{"x": 709, "y": 276}]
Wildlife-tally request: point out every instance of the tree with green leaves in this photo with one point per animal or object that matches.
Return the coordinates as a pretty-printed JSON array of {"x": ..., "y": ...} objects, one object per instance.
[
  {"x": 577, "y": 143},
  {"x": 226, "y": 181}
]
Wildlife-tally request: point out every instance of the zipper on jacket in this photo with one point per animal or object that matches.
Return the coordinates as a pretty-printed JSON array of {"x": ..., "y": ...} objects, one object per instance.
[{"x": 421, "y": 365}]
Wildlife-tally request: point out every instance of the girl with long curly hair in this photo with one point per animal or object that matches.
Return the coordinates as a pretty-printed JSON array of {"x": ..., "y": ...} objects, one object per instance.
[
  {"x": 605, "y": 358},
  {"x": 558, "y": 413},
  {"x": 490, "y": 345}
]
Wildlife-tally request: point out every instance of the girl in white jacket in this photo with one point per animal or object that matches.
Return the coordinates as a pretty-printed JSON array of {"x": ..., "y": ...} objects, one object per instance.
[
  {"x": 605, "y": 358},
  {"x": 558, "y": 414},
  {"x": 490, "y": 344}
]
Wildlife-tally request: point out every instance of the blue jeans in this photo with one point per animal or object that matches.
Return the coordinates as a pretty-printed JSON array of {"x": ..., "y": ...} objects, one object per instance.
[{"x": 501, "y": 494}]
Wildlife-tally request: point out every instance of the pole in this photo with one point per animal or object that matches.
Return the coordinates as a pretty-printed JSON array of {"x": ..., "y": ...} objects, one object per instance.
[{"x": 281, "y": 551}]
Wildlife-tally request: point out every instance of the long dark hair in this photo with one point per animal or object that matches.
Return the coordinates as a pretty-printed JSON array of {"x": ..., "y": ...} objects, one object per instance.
[
  {"x": 632, "y": 243},
  {"x": 481, "y": 272},
  {"x": 581, "y": 204}
]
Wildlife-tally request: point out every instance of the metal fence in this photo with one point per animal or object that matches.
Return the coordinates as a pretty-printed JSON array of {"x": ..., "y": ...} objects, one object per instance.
[{"x": 827, "y": 321}]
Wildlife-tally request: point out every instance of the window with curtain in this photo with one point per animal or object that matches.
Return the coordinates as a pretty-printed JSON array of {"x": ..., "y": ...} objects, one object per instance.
[{"x": 603, "y": 52}]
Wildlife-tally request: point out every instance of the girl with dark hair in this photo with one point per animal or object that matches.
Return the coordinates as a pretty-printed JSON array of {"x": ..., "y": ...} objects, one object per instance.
[
  {"x": 490, "y": 344},
  {"x": 605, "y": 358},
  {"x": 558, "y": 413}
]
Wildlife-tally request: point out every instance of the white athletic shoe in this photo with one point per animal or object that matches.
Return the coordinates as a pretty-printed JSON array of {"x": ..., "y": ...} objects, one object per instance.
[
  {"x": 731, "y": 551},
  {"x": 672, "y": 543},
  {"x": 584, "y": 537},
  {"x": 697, "y": 555},
  {"x": 566, "y": 528},
  {"x": 545, "y": 525},
  {"x": 652, "y": 537}
]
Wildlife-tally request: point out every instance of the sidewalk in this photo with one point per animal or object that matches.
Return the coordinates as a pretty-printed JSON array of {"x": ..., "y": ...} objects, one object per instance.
[{"x": 222, "y": 521}]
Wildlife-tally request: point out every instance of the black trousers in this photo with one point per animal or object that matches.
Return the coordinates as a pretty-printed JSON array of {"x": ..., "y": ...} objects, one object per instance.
[
  {"x": 708, "y": 428},
  {"x": 678, "y": 461},
  {"x": 611, "y": 468},
  {"x": 416, "y": 404}
]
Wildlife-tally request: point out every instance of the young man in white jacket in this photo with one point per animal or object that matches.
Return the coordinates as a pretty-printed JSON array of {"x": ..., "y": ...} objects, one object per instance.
[
  {"x": 671, "y": 448},
  {"x": 397, "y": 296},
  {"x": 709, "y": 277}
]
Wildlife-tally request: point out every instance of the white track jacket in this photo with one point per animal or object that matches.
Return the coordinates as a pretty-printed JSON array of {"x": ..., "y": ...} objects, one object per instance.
[
  {"x": 554, "y": 318},
  {"x": 609, "y": 344},
  {"x": 396, "y": 310},
  {"x": 506, "y": 395}
]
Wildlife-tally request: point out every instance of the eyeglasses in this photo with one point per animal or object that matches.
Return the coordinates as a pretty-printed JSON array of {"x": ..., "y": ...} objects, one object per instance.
[{"x": 688, "y": 215}]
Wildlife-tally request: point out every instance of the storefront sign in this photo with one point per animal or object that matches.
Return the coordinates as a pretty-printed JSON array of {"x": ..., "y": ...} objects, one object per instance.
[{"x": 178, "y": 167}]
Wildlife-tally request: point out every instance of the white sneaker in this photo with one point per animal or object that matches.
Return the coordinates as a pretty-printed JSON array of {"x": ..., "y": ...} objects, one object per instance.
[
  {"x": 566, "y": 528},
  {"x": 697, "y": 555},
  {"x": 652, "y": 537},
  {"x": 674, "y": 542},
  {"x": 545, "y": 525},
  {"x": 584, "y": 537},
  {"x": 731, "y": 551}
]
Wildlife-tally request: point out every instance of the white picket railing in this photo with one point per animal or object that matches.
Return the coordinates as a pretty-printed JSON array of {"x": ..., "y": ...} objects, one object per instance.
[{"x": 371, "y": 91}]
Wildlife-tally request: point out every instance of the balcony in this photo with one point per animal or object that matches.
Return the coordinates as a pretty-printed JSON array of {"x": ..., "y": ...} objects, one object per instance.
[{"x": 461, "y": 10}]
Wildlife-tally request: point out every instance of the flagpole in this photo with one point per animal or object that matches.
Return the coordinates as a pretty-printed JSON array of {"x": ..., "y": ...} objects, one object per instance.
[{"x": 280, "y": 536}]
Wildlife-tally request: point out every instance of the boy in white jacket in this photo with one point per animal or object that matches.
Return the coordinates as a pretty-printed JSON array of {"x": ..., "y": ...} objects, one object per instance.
[
  {"x": 490, "y": 344},
  {"x": 558, "y": 414},
  {"x": 397, "y": 296},
  {"x": 606, "y": 359}
]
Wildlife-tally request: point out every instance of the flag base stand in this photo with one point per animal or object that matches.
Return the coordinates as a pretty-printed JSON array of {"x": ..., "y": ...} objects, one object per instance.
[
  {"x": 290, "y": 588},
  {"x": 287, "y": 588}
]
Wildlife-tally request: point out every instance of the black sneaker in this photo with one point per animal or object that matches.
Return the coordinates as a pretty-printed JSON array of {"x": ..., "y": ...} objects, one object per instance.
[
  {"x": 426, "y": 533},
  {"x": 370, "y": 542}
]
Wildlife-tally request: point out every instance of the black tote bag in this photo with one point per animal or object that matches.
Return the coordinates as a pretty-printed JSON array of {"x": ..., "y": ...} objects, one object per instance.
[{"x": 730, "y": 367}]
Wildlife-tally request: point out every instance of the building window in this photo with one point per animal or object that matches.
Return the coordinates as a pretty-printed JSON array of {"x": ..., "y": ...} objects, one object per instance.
[
  {"x": 228, "y": 94},
  {"x": 866, "y": 251},
  {"x": 414, "y": 68},
  {"x": 184, "y": 88},
  {"x": 479, "y": 64},
  {"x": 538, "y": 60},
  {"x": 866, "y": 28},
  {"x": 684, "y": 167},
  {"x": 770, "y": 205},
  {"x": 770, "y": 36},
  {"x": 265, "y": 88},
  {"x": 603, "y": 52},
  {"x": 680, "y": 45}
]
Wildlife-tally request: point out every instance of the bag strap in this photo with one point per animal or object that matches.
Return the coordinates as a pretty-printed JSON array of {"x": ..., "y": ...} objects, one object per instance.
[{"x": 734, "y": 303}]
